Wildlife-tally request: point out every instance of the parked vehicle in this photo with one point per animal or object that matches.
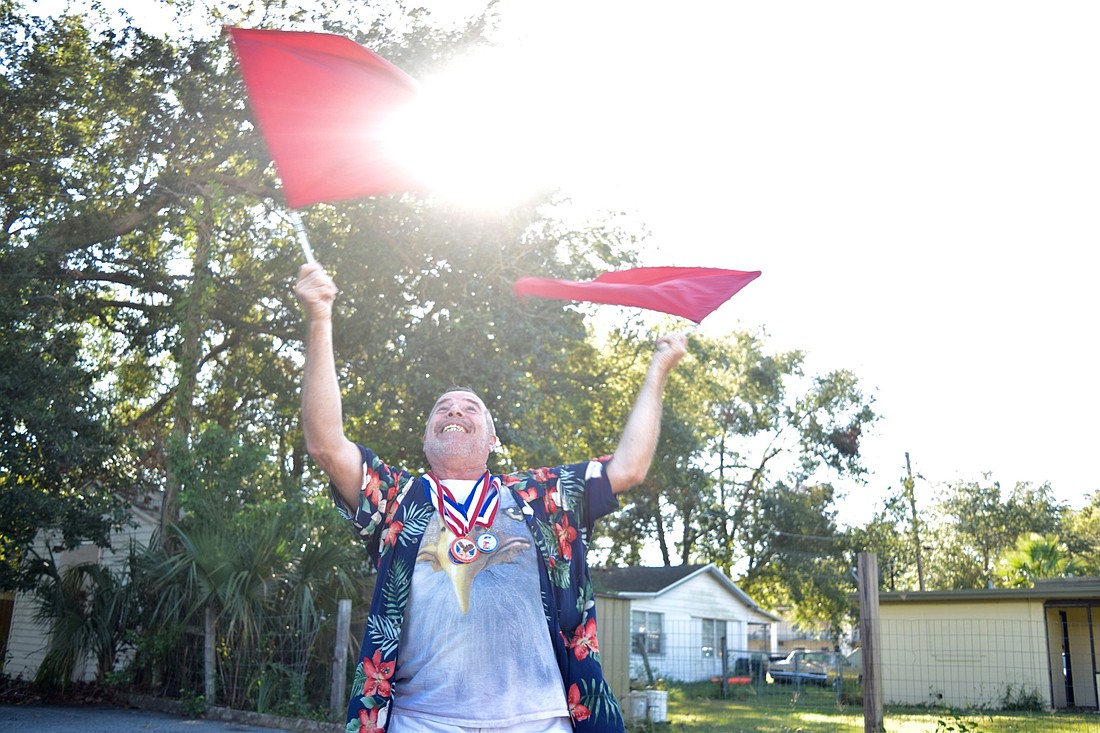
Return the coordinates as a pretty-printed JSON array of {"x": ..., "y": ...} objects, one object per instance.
[{"x": 813, "y": 667}]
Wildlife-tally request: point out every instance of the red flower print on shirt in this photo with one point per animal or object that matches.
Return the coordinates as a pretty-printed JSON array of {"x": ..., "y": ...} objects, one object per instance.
[
  {"x": 551, "y": 500},
  {"x": 392, "y": 533},
  {"x": 378, "y": 676},
  {"x": 584, "y": 640},
  {"x": 529, "y": 494},
  {"x": 542, "y": 475},
  {"x": 565, "y": 536},
  {"x": 372, "y": 487},
  {"x": 368, "y": 721},
  {"x": 577, "y": 711}
]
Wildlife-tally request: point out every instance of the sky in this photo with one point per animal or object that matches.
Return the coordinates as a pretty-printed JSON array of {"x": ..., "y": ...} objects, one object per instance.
[{"x": 918, "y": 182}]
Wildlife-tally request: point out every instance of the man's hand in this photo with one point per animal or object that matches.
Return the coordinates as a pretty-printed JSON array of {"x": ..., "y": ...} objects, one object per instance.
[
  {"x": 669, "y": 351},
  {"x": 316, "y": 291}
]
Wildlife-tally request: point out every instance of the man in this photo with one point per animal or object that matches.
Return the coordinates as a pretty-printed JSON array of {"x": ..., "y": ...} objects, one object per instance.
[{"x": 483, "y": 615}]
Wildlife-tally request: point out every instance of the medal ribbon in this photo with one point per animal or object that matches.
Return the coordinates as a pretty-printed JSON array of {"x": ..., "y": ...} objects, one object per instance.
[{"x": 480, "y": 508}]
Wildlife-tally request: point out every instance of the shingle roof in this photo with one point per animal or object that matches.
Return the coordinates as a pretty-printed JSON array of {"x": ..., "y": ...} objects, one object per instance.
[
  {"x": 640, "y": 582},
  {"x": 640, "y": 579}
]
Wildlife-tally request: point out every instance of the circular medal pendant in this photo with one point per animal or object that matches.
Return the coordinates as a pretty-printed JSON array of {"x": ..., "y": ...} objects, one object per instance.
[
  {"x": 487, "y": 542},
  {"x": 463, "y": 550}
]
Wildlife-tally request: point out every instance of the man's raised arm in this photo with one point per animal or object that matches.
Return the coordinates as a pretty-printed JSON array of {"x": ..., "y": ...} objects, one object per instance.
[
  {"x": 638, "y": 442},
  {"x": 322, "y": 412}
]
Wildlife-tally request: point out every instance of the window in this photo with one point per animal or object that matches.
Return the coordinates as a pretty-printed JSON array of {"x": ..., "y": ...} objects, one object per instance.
[
  {"x": 714, "y": 634},
  {"x": 646, "y": 631}
]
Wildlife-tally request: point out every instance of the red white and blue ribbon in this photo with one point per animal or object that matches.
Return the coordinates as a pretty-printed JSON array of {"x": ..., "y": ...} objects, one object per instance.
[{"x": 478, "y": 510}]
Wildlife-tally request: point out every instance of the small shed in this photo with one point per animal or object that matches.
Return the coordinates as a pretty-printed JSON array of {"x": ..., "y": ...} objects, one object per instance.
[
  {"x": 686, "y": 623},
  {"x": 993, "y": 648}
]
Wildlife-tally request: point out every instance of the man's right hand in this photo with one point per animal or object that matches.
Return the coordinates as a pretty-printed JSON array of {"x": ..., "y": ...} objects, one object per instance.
[{"x": 316, "y": 291}]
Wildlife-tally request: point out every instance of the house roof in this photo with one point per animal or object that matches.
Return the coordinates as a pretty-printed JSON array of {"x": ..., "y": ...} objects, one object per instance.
[
  {"x": 641, "y": 579},
  {"x": 1053, "y": 589},
  {"x": 649, "y": 582}
]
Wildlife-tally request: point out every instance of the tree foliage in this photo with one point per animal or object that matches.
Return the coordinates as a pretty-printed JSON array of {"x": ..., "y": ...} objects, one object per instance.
[
  {"x": 748, "y": 444},
  {"x": 975, "y": 534},
  {"x": 1081, "y": 533},
  {"x": 979, "y": 521},
  {"x": 62, "y": 465}
]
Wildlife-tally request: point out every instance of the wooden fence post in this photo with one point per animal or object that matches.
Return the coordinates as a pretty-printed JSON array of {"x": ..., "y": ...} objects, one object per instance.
[
  {"x": 338, "y": 699},
  {"x": 209, "y": 657},
  {"x": 869, "y": 636}
]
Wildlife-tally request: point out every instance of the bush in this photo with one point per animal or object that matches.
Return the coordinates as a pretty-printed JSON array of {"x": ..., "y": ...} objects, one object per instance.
[{"x": 1022, "y": 700}]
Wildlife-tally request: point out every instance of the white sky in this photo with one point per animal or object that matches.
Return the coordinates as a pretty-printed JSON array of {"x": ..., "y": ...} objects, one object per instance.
[{"x": 919, "y": 182}]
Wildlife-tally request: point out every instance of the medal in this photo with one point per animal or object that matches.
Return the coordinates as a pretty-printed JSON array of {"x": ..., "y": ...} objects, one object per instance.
[
  {"x": 463, "y": 551},
  {"x": 487, "y": 542}
]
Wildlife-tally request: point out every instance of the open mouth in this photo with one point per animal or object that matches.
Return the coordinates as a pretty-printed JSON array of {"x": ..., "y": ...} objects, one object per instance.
[{"x": 453, "y": 428}]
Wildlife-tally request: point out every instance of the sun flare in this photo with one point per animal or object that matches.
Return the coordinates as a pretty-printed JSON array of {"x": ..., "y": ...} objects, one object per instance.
[
  {"x": 504, "y": 122},
  {"x": 475, "y": 134}
]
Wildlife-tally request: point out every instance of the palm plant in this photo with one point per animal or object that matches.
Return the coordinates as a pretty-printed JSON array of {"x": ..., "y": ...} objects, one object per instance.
[
  {"x": 269, "y": 580},
  {"x": 1037, "y": 556},
  {"x": 89, "y": 610}
]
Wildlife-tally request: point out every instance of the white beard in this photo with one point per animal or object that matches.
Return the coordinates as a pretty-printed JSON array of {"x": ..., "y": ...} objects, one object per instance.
[{"x": 459, "y": 448}]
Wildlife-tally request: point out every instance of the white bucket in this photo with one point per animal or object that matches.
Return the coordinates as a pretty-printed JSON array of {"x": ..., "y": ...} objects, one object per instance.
[
  {"x": 656, "y": 705},
  {"x": 636, "y": 704}
]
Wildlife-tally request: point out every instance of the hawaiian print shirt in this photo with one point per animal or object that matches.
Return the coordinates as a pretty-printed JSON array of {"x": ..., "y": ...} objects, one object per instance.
[{"x": 560, "y": 506}]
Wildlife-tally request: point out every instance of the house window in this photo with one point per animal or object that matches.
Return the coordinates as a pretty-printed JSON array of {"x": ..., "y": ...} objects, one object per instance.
[
  {"x": 714, "y": 634},
  {"x": 646, "y": 628}
]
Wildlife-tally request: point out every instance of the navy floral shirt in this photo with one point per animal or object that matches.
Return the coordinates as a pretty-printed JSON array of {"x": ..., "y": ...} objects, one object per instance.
[{"x": 559, "y": 506}]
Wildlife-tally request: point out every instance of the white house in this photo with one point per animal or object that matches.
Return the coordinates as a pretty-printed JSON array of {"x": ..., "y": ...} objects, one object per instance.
[
  {"x": 25, "y": 641},
  {"x": 687, "y": 623}
]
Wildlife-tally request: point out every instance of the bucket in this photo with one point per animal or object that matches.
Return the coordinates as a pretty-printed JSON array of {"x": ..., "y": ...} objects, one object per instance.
[
  {"x": 656, "y": 705},
  {"x": 636, "y": 704}
]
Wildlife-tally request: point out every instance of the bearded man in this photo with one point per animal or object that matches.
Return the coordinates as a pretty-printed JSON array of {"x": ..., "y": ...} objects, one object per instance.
[{"x": 484, "y": 616}]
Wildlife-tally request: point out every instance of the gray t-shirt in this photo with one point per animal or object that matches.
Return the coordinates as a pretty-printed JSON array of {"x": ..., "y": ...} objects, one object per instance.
[{"x": 474, "y": 647}]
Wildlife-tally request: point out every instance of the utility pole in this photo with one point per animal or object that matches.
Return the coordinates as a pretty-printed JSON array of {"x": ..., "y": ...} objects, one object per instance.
[{"x": 911, "y": 495}]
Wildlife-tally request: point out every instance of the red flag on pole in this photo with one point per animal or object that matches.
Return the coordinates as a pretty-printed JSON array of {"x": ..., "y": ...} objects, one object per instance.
[
  {"x": 322, "y": 102},
  {"x": 689, "y": 292}
]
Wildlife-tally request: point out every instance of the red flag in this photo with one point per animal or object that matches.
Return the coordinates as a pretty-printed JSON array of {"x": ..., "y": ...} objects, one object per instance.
[
  {"x": 321, "y": 102},
  {"x": 689, "y": 292}
]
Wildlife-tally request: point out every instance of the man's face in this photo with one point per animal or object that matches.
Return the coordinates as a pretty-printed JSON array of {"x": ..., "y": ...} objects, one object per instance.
[{"x": 458, "y": 431}]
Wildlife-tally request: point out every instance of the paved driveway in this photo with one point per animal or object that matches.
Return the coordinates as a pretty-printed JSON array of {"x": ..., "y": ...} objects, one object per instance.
[{"x": 99, "y": 719}]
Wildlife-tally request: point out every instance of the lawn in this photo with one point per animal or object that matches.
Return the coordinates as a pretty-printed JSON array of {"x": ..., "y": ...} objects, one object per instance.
[{"x": 776, "y": 709}]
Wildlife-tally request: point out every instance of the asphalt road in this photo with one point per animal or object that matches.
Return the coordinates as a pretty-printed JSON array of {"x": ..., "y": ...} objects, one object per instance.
[{"x": 102, "y": 719}]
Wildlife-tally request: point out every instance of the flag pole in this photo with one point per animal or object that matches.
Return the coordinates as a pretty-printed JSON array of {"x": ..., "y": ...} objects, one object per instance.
[{"x": 303, "y": 238}]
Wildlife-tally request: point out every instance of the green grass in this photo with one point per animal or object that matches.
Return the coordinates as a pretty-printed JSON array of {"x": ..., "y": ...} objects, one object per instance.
[{"x": 775, "y": 709}]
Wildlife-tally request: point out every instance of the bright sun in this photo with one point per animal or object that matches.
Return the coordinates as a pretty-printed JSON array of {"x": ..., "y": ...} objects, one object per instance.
[
  {"x": 514, "y": 118},
  {"x": 480, "y": 132}
]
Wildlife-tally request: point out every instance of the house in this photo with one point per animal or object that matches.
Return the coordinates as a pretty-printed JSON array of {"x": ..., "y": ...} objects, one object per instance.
[
  {"x": 24, "y": 641},
  {"x": 790, "y": 635},
  {"x": 993, "y": 648},
  {"x": 686, "y": 623}
]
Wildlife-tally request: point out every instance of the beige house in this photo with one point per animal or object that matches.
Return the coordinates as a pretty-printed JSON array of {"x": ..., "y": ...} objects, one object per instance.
[{"x": 995, "y": 648}]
